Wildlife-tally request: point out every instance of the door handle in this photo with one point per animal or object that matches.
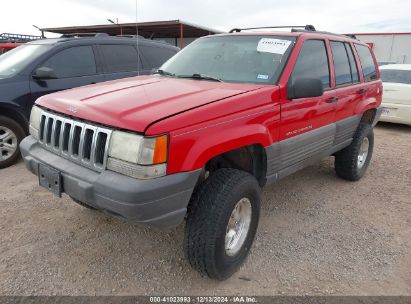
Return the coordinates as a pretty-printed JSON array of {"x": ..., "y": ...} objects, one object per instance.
[
  {"x": 332, "y": 99},
  {"x": 362, "y": 91}
]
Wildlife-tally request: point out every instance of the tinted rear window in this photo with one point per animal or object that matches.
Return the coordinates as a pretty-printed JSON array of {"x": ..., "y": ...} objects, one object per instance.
[
  {"x": 367, "y": 62},
  {"x": 120, "y": 58},
  {"x": 353, "y": 64},
  {"x": 341, "y": 63},
  {"x": 312, "y": 62},
  {"x": 156, "y": 55},
  {"x": 396, "y": 76}
]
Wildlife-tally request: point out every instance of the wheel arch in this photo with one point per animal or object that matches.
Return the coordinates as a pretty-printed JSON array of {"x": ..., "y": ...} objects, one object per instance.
[
  {"x": 368, "y": 116},
  {"x": 250, "y": 158},
  {"x": 11, "y": 112},
  {"x": 368, "y": 109}
]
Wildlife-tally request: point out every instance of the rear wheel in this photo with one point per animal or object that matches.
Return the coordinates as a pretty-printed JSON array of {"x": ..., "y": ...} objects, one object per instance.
[
  {"x": 11, "y": 134},
  {"x": 222, "y": 221},
  {"x": 352, "y": 162}
]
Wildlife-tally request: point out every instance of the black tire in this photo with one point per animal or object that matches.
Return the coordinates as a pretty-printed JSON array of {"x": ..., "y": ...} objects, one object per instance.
[
  {"x": 346, "y": 160},
  {"x": 82, "y": 204},
  {"x": 208, "y": 216},
  {"x": 18, "y": 132}
]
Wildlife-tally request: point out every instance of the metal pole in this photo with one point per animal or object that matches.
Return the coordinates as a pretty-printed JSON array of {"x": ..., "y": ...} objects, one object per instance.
[{"x": 181, "y": 36}]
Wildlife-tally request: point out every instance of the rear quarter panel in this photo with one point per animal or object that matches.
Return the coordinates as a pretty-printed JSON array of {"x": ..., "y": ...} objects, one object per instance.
[{"x": 373, "y": 98}]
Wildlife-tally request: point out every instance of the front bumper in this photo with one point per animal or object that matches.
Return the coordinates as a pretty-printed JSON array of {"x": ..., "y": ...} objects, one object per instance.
[{"x": 160, "y": 202}]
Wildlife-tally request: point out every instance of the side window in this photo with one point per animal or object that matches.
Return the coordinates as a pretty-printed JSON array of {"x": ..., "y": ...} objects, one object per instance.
[
  {"x": 396, "y": 76},
  {"x": 156, "y": 55},
  {"x": 72, "y": 62},
  {"x": 368, "y": 67},
  {"x": 353, "y": 65},
  {"x": 341, "y": 63},
  {"x": 312, "y": 62},
  {"x": 120, "y": 58}
]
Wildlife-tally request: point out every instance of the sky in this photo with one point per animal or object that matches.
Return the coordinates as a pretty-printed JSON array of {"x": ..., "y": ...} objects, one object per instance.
[{"x": 347, "y": 16}]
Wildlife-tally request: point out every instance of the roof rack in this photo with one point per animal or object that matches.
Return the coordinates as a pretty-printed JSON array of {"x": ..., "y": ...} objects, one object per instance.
[
  {"x": 130, "y": 36},
  {"x": 7, "y": 37},
  {"x": 79, "y": 35},
  {"x": 351, "y": 36},
  {"x": 307, "y": 27},
  {"x": 325, "y": 32}
]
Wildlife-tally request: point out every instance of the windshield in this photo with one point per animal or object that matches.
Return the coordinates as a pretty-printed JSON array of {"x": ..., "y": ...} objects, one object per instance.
[
  {"x": 243, "y": 59},
  {"x": 17, "y": 59},
  {"x": 396, "y": 76}
]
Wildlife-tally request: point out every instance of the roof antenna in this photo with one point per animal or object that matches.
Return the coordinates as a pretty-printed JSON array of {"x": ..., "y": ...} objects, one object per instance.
[{"x": 138, "y": 49}]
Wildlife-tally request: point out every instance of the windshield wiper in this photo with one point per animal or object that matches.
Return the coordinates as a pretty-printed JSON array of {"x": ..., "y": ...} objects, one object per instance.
[
  {"x": 164, "y": 73},
  {"x": 201, "y": 77}
]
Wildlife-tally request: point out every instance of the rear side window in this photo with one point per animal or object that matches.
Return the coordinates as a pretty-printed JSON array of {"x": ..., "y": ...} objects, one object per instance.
[
  {"x": 396, "y": 76},
  {"x": 353, "y": 65},
  {"x": 120, "y": 58},
  {"x": 341, "y": 63},
  {"x": 156, "y": 55},
  {"x": 72, "y": 62},
  {"x": 368, "y": 67},
  {"x": 312, "y": 62}
]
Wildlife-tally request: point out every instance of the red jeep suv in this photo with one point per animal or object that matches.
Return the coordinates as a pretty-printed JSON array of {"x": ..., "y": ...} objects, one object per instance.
[{"x": 196, "y": 141}]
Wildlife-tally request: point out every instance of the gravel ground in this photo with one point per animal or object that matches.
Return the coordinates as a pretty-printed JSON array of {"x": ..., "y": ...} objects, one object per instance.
[{"x": 318, "y": 235}]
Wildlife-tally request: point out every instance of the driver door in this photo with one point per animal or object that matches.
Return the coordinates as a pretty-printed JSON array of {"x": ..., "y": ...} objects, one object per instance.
[
  {"x": 71, "y": 67},
  {"x": 307, "y": 124}
]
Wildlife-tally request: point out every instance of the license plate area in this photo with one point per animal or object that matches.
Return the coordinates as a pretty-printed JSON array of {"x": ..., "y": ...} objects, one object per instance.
[
  {"x": 389, "y": 112},
  {"x": 50, "y": 179}
]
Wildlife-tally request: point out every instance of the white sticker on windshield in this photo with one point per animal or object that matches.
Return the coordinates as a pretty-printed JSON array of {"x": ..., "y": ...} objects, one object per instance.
[{"x": 275, "y": 46}]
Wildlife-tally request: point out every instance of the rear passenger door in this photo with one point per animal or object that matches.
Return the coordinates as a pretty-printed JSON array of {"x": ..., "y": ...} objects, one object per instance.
[
  {"x": 349, "y": 91},
  {"x": 347, "y": 81},
  {"x": 120, "y": 61}
]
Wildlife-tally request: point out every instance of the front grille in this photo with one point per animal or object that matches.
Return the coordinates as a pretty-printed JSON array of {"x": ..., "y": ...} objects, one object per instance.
[{"x": 83, "y": 143}]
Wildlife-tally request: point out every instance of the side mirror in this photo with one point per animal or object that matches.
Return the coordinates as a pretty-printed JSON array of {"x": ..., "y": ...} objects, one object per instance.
[
  {"x": 304, "y": 88},
  {"x": 44, "y": 73}
]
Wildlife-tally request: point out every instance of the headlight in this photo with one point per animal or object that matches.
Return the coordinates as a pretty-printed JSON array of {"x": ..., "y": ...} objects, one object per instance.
[
  {"x": 125, "y": 146},
  {"x": 138, "y": 156},
  {"x": 35, "y": 117}
]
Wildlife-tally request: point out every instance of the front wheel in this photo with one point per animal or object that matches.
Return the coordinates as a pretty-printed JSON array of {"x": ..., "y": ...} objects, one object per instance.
[
  {"x": 222, "y": 221},
  {"x": 352, "y": 162},
  {"x": 11, "y": 134}
]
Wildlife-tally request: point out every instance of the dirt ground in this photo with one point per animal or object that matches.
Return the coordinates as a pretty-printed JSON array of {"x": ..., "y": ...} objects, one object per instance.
[{"x": 318, "y": 235}]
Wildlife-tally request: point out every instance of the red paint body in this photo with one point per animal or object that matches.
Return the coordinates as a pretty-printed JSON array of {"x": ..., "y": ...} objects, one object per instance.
[
  {"x": 204, "y": 118},
  {"x": 4, "y": 47}
]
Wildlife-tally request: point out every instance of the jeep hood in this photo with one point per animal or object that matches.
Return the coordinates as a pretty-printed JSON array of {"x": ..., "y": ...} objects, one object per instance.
[{"x": 135, "y": 103}]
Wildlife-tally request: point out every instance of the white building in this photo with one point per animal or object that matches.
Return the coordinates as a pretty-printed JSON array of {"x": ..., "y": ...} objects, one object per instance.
[{"x": 389, "y": 47}]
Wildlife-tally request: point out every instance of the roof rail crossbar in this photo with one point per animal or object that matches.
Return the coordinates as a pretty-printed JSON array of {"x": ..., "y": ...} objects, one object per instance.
[
  {"x": 327, "y": 33},
  {"x": 307, "y": 27},
  {"x": 351, "y": 36},
  {"x": 77, "y": 35},
  {"x": 131, "y": 36}
]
